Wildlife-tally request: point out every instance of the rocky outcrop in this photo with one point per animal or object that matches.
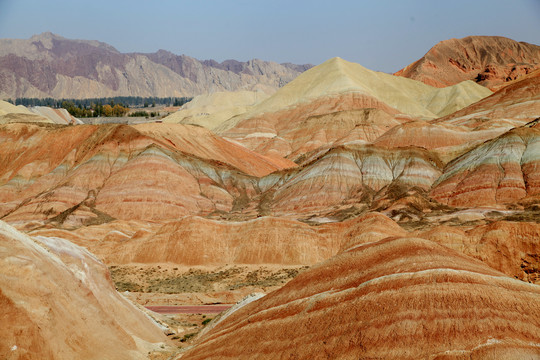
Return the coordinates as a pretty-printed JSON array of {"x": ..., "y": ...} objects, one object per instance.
[
  {"x": 347, "y": 175},
  {"x": 489, "y": 60},
  {"x": 507, "y": 246},
  {"x": 58, "y": 302},
  {"x": 400, "y": 298},
  {"x": 87, "y": 174},
  {"x": 500, "y": 171},
  {"x": 48, "y": 65}
]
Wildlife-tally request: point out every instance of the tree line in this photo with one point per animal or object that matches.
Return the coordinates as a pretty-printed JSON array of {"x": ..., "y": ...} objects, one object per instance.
[{"x": 111, "y": 106}]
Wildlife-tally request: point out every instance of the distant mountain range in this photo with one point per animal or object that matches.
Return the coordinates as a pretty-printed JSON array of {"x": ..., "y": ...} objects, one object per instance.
[{"x": 49, "y": 65}]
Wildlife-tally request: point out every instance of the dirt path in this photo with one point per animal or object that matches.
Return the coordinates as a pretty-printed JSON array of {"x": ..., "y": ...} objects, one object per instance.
[{"x": 189, "y": 309}]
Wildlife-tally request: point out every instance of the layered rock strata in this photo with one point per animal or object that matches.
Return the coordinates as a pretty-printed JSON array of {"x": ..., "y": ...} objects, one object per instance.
[{"x": 400, "y": 298}]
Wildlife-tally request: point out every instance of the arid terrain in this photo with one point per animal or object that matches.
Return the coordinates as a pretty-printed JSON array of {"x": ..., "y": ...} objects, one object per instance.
[{"x": 326, "y": 212}]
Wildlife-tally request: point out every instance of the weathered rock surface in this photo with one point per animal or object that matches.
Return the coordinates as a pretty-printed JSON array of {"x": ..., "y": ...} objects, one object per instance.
[
  {"x": 198, "y": 241},
  {"x": 58, "y": 302},
  {"x": 508, "y": 246},
  {"x": 87, "y": 174},
  {"x": 195, "y": 241},
  {"x": 501, "y": 171},
  {"x": 489, "y": 60},
  {"x": 48, "y": 65},
  {"x": 401, "y": 298},
  {"x": 347, "y": 175}
]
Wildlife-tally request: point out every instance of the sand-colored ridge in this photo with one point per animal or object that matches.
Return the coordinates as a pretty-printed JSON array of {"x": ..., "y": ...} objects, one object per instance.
[
  {"x": 58, "y": 116},
  {"x": 8, "y": 108},
  {"x": 211, "y": 110},
  {"x": 400, "y": 298},
  {"x": 10, "y": 113}
]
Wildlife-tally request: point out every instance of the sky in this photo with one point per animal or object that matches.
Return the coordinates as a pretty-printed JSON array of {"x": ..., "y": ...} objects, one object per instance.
[{"x": 383, "y": 35}]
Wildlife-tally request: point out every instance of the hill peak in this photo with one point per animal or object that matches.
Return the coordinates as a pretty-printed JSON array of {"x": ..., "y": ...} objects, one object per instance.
[{"x": 488, "y": 60}]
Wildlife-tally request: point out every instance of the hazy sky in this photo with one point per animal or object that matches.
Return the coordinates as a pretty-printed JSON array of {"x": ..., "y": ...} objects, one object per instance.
[{"x": 381, "y": 35}]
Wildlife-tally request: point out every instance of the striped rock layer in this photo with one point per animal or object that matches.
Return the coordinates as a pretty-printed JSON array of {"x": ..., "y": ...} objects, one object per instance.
[
  {"x": 57, "y": 302},
  {"x": 347, "y": 175},
  {"x": 501, "y": 171},
  {"x": 88, "y": 174},
  {"x": 198, "y": 241},
  {"x": 446, "y": 140},
  {"x": 403, "y": 298}
]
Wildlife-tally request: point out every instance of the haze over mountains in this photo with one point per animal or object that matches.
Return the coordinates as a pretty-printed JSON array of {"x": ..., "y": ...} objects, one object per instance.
[
  {"x": 409, "y": 212},
  {"x": 48, "y": 65}
]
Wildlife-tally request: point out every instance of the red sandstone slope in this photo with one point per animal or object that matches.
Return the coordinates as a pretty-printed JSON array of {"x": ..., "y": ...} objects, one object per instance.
[
  {"x": 92, "y": 173},
  {"x": 394, "y": 299},
  {"x": 509, "y": 247},
  {"x": 347, "y": 175},
  {"x": 489, "y": 60},
  {"x": 198, "y": 241},
  {"x": 500, "y": 171},
  {"x": 57, "y": 302}
]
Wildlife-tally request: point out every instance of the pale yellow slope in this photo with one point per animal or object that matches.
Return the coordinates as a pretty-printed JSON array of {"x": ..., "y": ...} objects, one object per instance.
[
  {"x": 447, "y": 100},
  {"x": 337, "y": 76},
  {"x": 7, "y": 108},
  {"x": 10, "y": 113},
  {"x": 210, "y": 110}
]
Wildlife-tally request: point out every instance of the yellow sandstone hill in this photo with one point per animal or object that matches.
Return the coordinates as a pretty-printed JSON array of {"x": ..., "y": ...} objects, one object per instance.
[
  {"x": 211, "y": 110},
  {"x": 10, "y": 113},
  {"x": 335, "y": 87}
]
